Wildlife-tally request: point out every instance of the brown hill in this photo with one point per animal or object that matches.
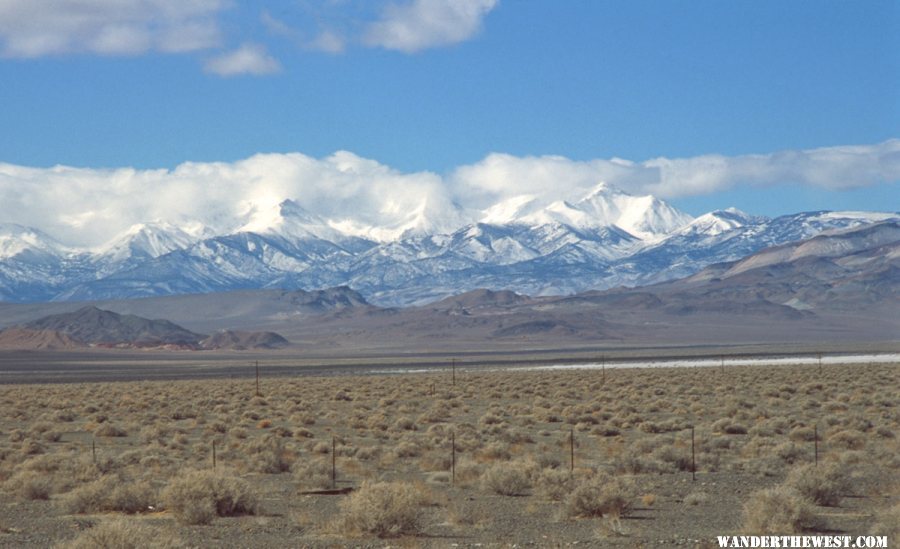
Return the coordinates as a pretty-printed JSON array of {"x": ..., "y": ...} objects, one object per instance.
[
  {"x": 242, "y": 341},
  {"x": 25, "y": 338}
]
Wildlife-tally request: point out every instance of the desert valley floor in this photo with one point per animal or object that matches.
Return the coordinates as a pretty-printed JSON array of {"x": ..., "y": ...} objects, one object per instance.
[{"x": 428, "y": 456}]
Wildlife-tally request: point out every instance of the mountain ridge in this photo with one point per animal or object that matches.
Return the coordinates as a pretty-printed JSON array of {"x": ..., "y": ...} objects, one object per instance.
[
  {"x": 839, "y": 285},
  {"x": 603, "y": 239}
]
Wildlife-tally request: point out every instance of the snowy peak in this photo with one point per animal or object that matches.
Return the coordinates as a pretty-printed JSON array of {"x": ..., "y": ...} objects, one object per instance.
[
  {"x": 147, "y": 240},
  {"x": 603, "y": 206},
  {"x": 648, "y": 217},
  {"x": 15, "y": 239},
  {"x": 290, "y": 220},
  {"x": 509, "y": 211},
  {"x": 718, "y": 222}
]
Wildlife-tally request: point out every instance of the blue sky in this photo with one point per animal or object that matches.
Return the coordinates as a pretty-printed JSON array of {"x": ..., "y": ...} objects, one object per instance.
[{"x": 433, "y": 85}]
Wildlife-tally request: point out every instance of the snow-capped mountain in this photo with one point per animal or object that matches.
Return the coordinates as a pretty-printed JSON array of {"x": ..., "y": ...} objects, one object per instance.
[
  {"x": 602, "y": 239},
  {"x": 16, "y": 239},
  {"x": 604, "y": 206}
]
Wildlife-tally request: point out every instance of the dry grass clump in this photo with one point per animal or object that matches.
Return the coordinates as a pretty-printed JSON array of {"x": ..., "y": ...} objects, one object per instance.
[
  {"x": 111, "y": 493},
  {"x": 312, "y": 474},
  {"x": 849, "y": 439},
  {"x": 610, "y": 526},
  {"x": 124, "y": 534},
  {"x": 197, "y": 497},
  {"x": 268, "y": 455},
  {"x": 30, "y": 485},
  {"x": 554, "y": 484},
  {"x": 778, "y": 510},
  {"x": 887, "y": 522},
  {"x": 822, "y": 485},
  {"x": 600, "y": 495},
  {"x": 696, "y": 498},
  {"x": 507, "y": 479},
  {"x": 109, "y": 430},
  {"x": 384, "y": 509}
]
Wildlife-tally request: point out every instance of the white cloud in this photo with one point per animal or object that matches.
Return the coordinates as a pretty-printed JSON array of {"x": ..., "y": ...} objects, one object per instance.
[
  {"x": 501, "y": 176},
  {"x": 34, "y": 28},
  {"x": 86, "y": 207},
  {"x": 420, "y": 24},
  {"x": 328, "y": 41},
  {"x": 247, "y": 59}
]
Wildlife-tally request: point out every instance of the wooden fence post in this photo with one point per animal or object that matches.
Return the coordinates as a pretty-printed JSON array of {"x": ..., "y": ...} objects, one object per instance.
[
  {"x": 693, "y": 457},
  {"x": 572, "y": 450},
  {"x": 816, "y": 442},
  {"x": 453, "y": 457}
]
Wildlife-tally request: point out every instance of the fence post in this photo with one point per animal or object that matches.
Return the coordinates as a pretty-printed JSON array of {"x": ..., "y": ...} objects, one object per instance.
[
  {"x": 572, "y": 450},
  {"x": 816, "y": 442},
  {"x": 693, "y": 457},
  {"x": 93, "y": 450},
  {"x": 214, "y": 453},
  {"x": 453, "y": 457},
  {"x": 257, "y": 378},
  {"x": 333, "y": 463}
]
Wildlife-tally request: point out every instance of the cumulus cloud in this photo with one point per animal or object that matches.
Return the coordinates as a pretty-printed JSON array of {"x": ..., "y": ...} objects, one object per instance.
[
  {"x": 420, "y": 24},
  {"x": 500, "y": 176},
  {"x": 85, "y": 207},
  {"x": 247, "y": 59},
  {"x": 32, "y": 28}
]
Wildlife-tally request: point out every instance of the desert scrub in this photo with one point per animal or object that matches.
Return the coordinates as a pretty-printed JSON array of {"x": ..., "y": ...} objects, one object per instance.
[
  {"x": 507, "y": 479},
  {"x": 554, "y": 484},
  {"x": 109, "y": 430},
  {"x": 267, "y": 455},
  {"x": 123, "y": 534},
  {"x": 887, "y": 522},
  {"x": 30, "y": 485},
  {"x": 848, "y": 439},
  {"x": 778, "y": 510},
  {"x": 384, "y": 509},
  {"x": 197, "y": 497},
  {"x": 696, "y": 498},
  {"x": 111, "y": 493},
  {"x": 822, "y": 485},
  {"x": 599, "y": 496},
  {"x": 312, "y": 474}
]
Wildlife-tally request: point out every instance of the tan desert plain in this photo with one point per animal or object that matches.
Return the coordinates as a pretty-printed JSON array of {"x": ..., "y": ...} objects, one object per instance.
[{"x": 759, "y": 397}]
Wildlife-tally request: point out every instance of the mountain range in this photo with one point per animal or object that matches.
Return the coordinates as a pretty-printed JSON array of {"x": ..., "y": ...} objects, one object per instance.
[
  {"x": 840, "y": 286},
  {"x": 604, "y": 239}
]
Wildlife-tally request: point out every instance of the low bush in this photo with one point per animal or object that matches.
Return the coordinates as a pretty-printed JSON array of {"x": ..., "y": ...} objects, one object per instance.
[
  {"x": 599, "y": 496},
  {"x": 110, "y": 493},
  {"x": 124, "y": 534},
  {"x": 197, "y": 497},
  {"x": 823, "y": 485},
  {"x": 385, "y": 509},
  {"x": 30, "y": 485},
  {"x": 778, "y": 510},
  {"x": 887, "y": 522},
  {"x": 312, "y": 474},
  {"x": 554, "y": 484},
  {"x": 507, "y": 479}
]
